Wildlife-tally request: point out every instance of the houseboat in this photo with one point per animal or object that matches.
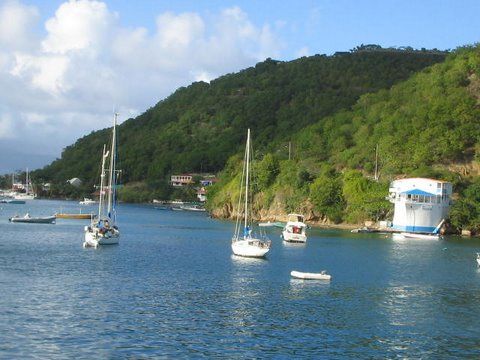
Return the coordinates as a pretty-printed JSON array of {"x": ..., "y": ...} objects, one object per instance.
[{"x": 421, "y": 205}]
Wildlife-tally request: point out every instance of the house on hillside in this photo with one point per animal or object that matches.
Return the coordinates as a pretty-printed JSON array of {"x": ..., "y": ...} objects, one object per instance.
[
  {"x": 75, "y": 182},
  {"x": 181, "y": 180}
]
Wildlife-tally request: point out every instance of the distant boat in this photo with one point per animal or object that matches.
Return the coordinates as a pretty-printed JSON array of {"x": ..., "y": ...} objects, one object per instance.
[
  {"x": 478, "y": 259},
  {"x": 87, "y": 201},
  {"x": 272, "y": 224},
  {"x": 33, "y": 220},
  {"x": 24, "y": 196},
  {"x": 311, "y": 276},
  {"x": 192, "y": 207},
  {"x": 28, "y": 194},
  {"x": 103, "y": 229},
  {"x": 295, "y": 229},
  {"x": 406, "y": 235},
  {"x": 244, "y": 243},
  {"x": 12, "y": 201}
]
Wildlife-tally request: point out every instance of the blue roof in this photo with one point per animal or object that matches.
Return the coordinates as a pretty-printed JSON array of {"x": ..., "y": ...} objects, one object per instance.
[{"x": 417, "y": 192}]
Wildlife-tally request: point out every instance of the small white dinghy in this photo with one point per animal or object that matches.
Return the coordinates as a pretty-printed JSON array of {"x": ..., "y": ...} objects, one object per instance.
[
  {"x": 432, "y": 236},
  {"x": 27, "y": 219},
  {"x": 310, "y": 276},
  {"x": 478, "y": 258}
]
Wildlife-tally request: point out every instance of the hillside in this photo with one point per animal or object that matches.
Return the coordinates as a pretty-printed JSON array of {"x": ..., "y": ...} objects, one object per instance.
[
  {"x": 199, "y": 127},
  {"x": 428, "y": 125}
]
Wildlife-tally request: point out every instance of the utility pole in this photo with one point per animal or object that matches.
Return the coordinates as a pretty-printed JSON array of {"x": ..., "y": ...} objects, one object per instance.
[{"x": 289, "y": 149}]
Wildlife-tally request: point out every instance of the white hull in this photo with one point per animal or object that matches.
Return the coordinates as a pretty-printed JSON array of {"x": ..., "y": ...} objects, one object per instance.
[
  {"x": 33, "y": 220},
  {"x": 291, "y": 237},
  {"x": 250, "y": 247},
  {"x": 295, "y": 229},
  {"x": 310, "y": 276},
  {"x": 24, "y": 197},
  {"x": 86, "y": 201},
  {"x": 94, "y": 238},
  {"x": 405, "y": 235}
]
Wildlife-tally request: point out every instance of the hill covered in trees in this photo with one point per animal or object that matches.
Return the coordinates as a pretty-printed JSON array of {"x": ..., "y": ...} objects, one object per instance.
[
  {"x": 199, "y": 127},
  {"x": 427, "y": 125},
  {"x": 421, "y": 109}
]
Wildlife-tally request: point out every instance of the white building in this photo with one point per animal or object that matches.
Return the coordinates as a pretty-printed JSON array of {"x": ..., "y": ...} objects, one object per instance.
[
  {"x": 75, "y": 182},
  {"x": 420, "y": 204},
  {"x": 181, "y": 180}
]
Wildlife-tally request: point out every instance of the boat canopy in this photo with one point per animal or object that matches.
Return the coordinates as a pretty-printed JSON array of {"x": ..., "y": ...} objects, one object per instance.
[{"x": 417, "y": 192}]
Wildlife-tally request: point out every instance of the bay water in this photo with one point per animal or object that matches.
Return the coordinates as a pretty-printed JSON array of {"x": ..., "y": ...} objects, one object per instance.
[{"x": 173, "y": 289}]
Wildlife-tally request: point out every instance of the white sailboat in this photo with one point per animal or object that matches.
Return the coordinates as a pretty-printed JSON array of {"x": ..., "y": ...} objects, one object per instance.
[
  {"x": 103, "y": 229},
  {"x": 28, "y": 194},
  {"x": 245, "y": 243},
  {"x": 295, "y": 230}
]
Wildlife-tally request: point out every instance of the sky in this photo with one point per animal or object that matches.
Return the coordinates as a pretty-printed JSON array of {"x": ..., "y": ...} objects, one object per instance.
[{"x": 66, "y": 66}]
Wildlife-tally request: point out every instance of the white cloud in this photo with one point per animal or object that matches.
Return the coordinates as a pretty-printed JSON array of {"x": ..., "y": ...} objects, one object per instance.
[
  {"x": 16, "y": 22},
  {"x": 179, "y": 31},
  {"x": 65, "y": 84},
  {"x": 304, "y": 51},
  {"x": 78, "y": 25},
  {"x": 6, "y": 128},
  {"x": 44, "y": 72}
]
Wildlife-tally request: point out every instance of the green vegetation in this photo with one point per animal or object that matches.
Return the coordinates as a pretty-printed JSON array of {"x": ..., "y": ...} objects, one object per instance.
[
  {"x": 421, "y": 108},
  {"x": 198, "y": 128},
  {"x": 424, "y": 126}
]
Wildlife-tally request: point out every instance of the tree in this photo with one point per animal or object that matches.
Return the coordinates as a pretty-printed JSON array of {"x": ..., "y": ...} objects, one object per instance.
[{"x": 326, "y": 196}]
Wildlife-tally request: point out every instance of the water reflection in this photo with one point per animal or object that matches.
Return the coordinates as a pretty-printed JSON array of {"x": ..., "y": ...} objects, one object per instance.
[
  {"x": 180, "y": 293},
  {"x": 293, "y": 245}
]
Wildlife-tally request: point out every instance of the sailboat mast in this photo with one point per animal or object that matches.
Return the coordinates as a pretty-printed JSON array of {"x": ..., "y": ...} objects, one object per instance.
[
  {"x": 247, "y": 175},
  {"x": 376, "y": 162},
  {"x": 26, "y": 182},
  {"x": 112, "y": 167},
  {"x": 102, "y": 177}
]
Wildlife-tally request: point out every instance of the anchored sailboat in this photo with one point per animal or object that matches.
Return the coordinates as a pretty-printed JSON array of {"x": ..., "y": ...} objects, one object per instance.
[
  {"x": 244, "y": 242},
  {"x": 103, "y": 229}
]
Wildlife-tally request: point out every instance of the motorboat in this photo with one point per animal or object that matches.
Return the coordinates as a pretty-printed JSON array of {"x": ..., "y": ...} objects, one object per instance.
[
  {"x": 311, "y": 276},
  {"x": 193, "y": 207},
  {"x": 478, "y": 259},
  {"x": 87, "y": 201},
  {"x": 12, "y": 201},
  {"x": 295, "y": 229},
  {"x": 244, "y": 241},
  {"x": 33, "y": 220}
]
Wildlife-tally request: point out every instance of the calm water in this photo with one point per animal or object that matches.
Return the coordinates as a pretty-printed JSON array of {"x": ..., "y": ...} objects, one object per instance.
[{"x": 172, "y": 289}]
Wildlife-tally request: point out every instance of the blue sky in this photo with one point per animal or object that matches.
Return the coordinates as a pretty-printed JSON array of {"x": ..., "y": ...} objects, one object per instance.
[
  {"x": 64, "y": 65},
  {"x": 326, "y": 26}
]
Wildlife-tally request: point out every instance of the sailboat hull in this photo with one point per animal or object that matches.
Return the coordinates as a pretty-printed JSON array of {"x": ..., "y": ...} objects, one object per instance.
[
  {"x": 250, "y": 248},
  {"x": 94, "y": 238}
]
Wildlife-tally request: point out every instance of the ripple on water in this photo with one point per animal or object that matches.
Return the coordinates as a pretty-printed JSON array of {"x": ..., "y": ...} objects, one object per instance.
[{"x": 172, "y": 289}]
